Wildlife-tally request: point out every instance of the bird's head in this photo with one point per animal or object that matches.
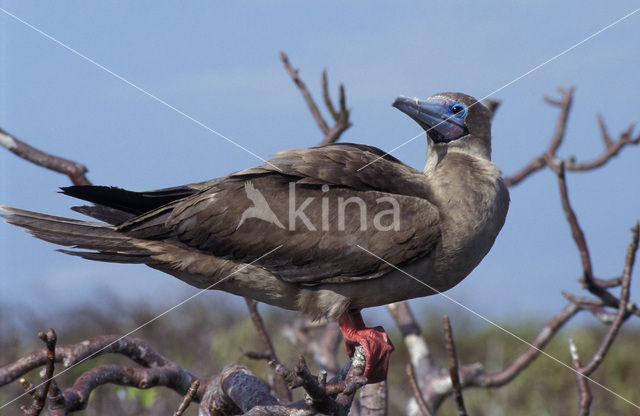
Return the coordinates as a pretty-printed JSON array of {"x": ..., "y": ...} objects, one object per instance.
[{"x": 451, "y": 120}]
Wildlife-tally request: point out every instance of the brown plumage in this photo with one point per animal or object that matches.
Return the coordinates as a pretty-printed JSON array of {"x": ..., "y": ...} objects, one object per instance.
[{"x": 218, "y": 232}]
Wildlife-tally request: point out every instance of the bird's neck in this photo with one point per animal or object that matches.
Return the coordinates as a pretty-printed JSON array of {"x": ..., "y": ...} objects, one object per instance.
[
  {"x": 454, "y": 173},
  {"x": 437, "y": 152}
]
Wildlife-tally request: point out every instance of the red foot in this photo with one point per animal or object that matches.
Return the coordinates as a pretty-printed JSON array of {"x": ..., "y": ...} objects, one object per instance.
[{"x": 376, "y": 343}]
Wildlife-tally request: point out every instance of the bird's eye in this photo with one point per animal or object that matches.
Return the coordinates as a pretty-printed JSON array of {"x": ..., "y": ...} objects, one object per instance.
[{"x": 456, "y": 109}]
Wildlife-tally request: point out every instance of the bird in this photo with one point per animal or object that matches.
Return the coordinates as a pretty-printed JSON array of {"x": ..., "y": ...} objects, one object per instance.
[{"x": 326, "y": 231}]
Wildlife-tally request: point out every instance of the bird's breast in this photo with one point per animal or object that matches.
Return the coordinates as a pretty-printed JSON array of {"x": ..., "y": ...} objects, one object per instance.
[{"x": 472, "y": 215}]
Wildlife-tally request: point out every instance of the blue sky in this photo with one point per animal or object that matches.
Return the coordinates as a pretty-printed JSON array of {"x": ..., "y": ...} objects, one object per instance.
[{"x": 218, "y": 62}]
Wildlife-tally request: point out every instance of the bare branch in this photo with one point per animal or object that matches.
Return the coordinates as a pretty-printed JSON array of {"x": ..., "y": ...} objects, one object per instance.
[
  {"x": 606, "y": 137},
  {"x": 374, "y": 399},
  {"x": 324, "y": 346},
  {"x": 453, "y": 367},
  {"x": 156, "y": 370},
  {"x": 293, "y": 73},
  {"x": 135, "y": 349},
  {"x": 413, "y": 382},
  {"x": 74, "y": 170},
  {"x": 549, "y": 154},
  {"x": 561, "y": 124},
  {"x": 55, "y": 401},
  {"x": 576, "y": 230},
  {"x": 412, "y": 337},
  {"x": 244, "y": 389},
  {"x": 436, "y": 384},
  {"x": 611, "y": 150},
  {"x": 340, "y": 118},
  {"x": 77, "y": 396},
  {"x": 584, "y": 393},
  {"x": 353, "y": 380},
  {"x": 280, "y": 385},
  {"x": 186, "y": 401},
  {"x": 319, "y": 392},
  {"x": 623, "y": 310},
  {"x": 29, "y": 388},
  {"x": 40, "y": 394},
  {"x": 238, "y": 391},
  {"x": 548, "y": 157},
  {"x": 595, "y": 306},
  {"x": 581, "y": 243},
  {"x": 523, "y": 360},
  {"x": 327, "y": 98},
  {"x": 608, "y": 283},
  {"x": 342, "y": 122}
]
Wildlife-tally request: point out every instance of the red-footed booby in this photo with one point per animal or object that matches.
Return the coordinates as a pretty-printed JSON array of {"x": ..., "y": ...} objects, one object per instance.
[{"x": 307, "y": 230}]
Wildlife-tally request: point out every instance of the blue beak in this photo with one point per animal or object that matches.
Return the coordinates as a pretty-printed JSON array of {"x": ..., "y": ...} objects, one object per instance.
[{"x": 434, "y": 116}]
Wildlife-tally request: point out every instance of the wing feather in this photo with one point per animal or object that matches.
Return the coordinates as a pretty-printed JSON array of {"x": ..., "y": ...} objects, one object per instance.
[{"x": 208, "y": 221}]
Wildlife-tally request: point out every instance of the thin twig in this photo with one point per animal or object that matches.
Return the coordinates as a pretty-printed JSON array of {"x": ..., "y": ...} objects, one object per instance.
[
  {"x": 342, "y": 122},
  {"x": 40, "y": 394},
  {"x": 623, "y": 312},
  {"x": 453, "y": 367},
  {"x": 611, "y": 149},
  {"x": 413, "y": 382},
  {"x": 539, "y": 162},
  {"x": 548, "y": 157},
  {"x": 280, "y": 386},
  {"x": 186, "y": 401},
  {"x": 319, "y": 392},
  {"x": 259, "y": 324},
  {"x": 581, "y": 243},
  {"x": 584, "y": 393},
  {"x": 27, "y": 386},
  {"x": 576, "y": 230},
  {"x": 55, "y": 401},
  {"x": 323, "y": 346},
  {"x": 293, "y": 73},
  {"x": 595, "y": 306},
  {"x": 606, "y": 137},
  {"x": 325, "y": 95},
  {"x": 74, "y": 170},
  {"x": 340, "y": 117},
  {"x": 523, "y": 360},
  {"x": 561, "y": 125}
]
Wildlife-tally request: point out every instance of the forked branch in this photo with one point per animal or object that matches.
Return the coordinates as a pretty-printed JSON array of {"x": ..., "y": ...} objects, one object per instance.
[
  {"x": 549, "y": 156},
  {"x": 340, "y": 117}
]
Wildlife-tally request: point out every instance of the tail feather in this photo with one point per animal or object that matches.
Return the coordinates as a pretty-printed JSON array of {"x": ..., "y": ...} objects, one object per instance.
[
  {"x": 111, "y": 257},
  {"x": 128, "y": 201},
  {"x": 109, "y": 244},
  {"x": 103, "y": 213}
]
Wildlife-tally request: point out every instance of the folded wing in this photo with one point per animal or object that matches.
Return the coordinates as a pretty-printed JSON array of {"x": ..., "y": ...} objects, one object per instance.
[{"x": 319, "y": 210}]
